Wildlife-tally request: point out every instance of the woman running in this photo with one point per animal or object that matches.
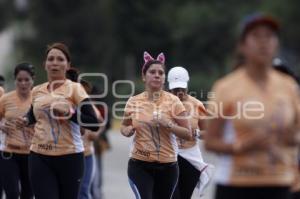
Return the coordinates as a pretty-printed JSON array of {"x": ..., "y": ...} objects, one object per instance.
[
  {"x": 59, "y": 108},
  {"x": 254, "y": 119},
  {"x": 154, "y": 118},
  {"x": 15, "y": 151},
  {"x": 190, "y": 161}
]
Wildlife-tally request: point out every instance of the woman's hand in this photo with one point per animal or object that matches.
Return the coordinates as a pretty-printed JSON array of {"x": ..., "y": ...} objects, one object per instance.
[
  {"x": 160, "y": 120},
  {"x": 21, "y": 122},
  {"x": 180, "y": 126},
  {"x": 127, "y": 130},
  {"x": 60, "y": 110},
  {"x": 8, "y": 126}
]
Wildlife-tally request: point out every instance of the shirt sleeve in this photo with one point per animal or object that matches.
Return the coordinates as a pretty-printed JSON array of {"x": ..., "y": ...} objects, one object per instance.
[
  {"x": 129, "y": 107},
  {"x": 177, "y": 107},
  {"x": 78, "y": 93}
]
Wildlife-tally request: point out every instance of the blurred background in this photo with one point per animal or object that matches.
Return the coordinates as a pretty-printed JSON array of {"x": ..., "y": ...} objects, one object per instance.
[{"x": 109, "y": 36}]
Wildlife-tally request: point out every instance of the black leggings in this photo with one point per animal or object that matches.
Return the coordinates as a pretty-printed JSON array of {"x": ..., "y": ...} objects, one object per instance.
[
  {"x": 56, "y": 177},
  {"x": 188, "y": 178},
  {"x": 14, "y": 172},
  {"x": 1, "y": 184},
  {"x": 230, "y": 192},
  {"x": 152, "y": 180},
  {"x": 295, "y": 195}
]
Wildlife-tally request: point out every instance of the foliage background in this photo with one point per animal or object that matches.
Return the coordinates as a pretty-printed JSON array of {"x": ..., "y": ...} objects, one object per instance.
[{"x": 109, "y": 36}]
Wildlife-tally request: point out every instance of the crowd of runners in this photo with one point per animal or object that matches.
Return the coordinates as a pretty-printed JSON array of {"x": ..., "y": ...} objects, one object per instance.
[{"x": 251, "y": 121}]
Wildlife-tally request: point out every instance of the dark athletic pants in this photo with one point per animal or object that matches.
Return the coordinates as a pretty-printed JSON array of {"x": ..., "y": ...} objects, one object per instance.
[
  {"x": 295, "y": 195},
  {"x": 230, "y": 192},
  {"x": 152, "y": 180},
  {"x": 15, "y": 177},
  {"x": 188, "y": 178},
  {"x": 56, "y": 177}
]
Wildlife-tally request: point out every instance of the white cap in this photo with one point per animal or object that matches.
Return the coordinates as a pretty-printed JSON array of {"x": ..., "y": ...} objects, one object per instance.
[{"x": 178, "y": 77}]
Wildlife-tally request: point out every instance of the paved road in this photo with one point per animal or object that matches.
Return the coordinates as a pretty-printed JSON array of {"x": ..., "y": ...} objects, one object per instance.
[{"x": 115, "y": 164}]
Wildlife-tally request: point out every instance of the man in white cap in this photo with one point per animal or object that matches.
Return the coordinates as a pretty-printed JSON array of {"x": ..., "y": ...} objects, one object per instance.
[{"x": 193, "y": 170}]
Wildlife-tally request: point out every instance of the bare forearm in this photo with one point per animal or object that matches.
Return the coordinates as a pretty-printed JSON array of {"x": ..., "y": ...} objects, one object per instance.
[
  {"x": 181, "y": 132},
  {"x": 219, "y": 147}
]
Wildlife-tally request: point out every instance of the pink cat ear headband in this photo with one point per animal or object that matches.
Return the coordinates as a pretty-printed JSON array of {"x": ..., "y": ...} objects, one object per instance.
[{"x": 148, "y": 57}]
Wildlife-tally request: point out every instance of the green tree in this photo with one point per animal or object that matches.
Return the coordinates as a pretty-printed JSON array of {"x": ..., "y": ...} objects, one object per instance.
[{"x": 6, "y": 13}]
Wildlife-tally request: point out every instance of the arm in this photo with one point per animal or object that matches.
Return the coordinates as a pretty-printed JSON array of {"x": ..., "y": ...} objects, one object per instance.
[
  {"x": 202, "y": 116},
  {"x": 126, "y": 128},
  {"x": 254, "y": 141},
  {"x": 94, "y": 136},
  {"x": 86, "y": 116},
  {"x": 215, "y": 123},
  {"x": 213, "y": 138},
  {"x": 201, "y": 126},
  {"x": 183, "y": 129},
  {"x": 291, "y": 136}
]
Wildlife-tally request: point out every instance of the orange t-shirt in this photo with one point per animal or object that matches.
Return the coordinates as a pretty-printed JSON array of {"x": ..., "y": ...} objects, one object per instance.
[
  {"x": 54, "y": 136},
  {"x": 196, "y": 111},
  {"x": 153, "y": 143},
  {"x": 12, "y": 107},
  {"x": 248, "y": 110}
]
